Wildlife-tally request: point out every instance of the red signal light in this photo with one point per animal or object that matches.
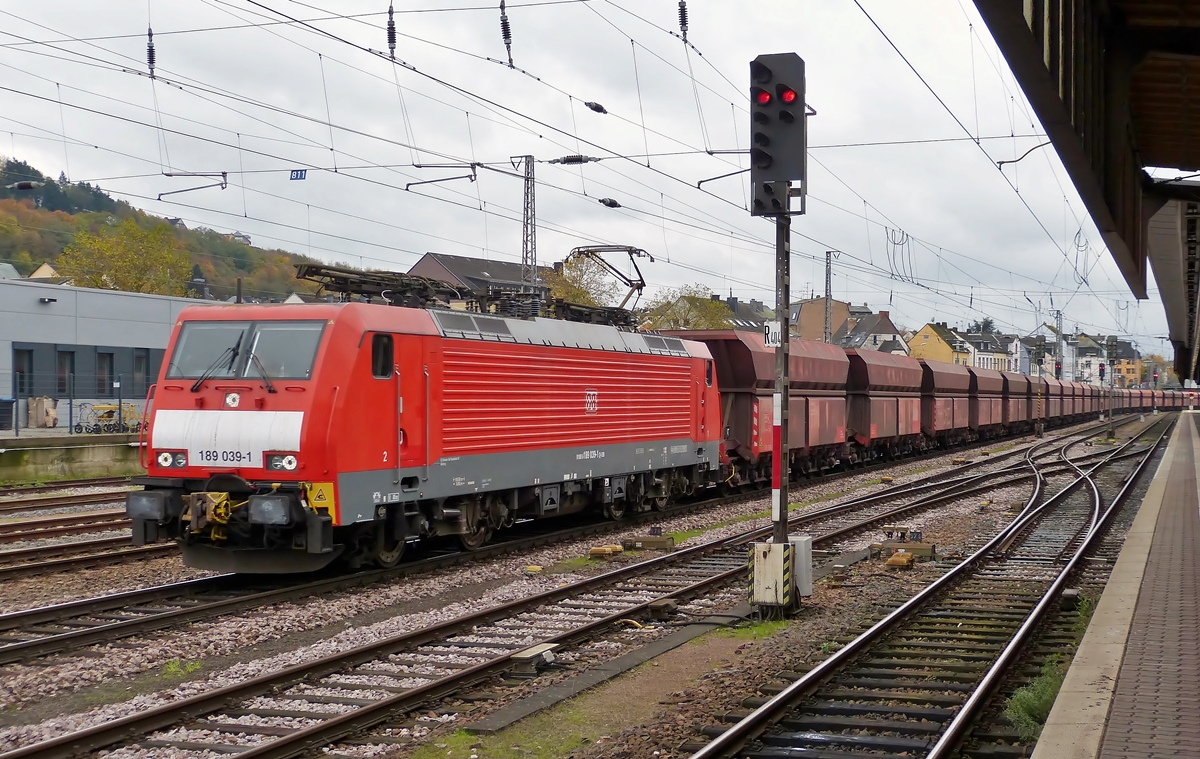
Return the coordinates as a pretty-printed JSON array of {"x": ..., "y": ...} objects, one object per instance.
[
  {"x": 788, "y": 95},
  {"x": 762, "y": 97}
]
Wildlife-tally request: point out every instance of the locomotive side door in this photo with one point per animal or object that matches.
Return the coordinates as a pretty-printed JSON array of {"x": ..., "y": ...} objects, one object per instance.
[{"x": 390, "y": 397}]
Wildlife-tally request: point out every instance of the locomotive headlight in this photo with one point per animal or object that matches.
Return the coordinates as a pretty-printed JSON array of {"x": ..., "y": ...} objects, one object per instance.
[
  {"x": 169, "y": 459},
  {"x": 270, "y": 509},
  {"x": 282, "y": 462}
]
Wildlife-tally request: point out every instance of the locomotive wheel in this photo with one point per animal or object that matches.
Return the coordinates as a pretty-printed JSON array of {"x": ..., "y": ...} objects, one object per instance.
[
  {"x": 475, "y": 539},
  {"x": 615, "y": 510},
  {"x": 388, "y": 551}
]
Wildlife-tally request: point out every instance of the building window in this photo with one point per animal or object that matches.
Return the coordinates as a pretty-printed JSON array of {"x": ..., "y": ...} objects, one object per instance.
[
  {"x": 23, "y": 371},
  {"x": 104, "y": 374},
  {"x": 141, "y": 366},
  {"x": 66, "y": 372}
]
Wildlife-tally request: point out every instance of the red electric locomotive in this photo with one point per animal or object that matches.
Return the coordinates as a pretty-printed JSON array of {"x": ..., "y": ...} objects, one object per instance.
[{"x": 283, "y": 437}]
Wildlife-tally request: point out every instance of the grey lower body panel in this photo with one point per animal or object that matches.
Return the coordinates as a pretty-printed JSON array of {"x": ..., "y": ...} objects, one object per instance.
[
  {"x": 359, "y": 493},
  {"x": 255, "y": 560}
]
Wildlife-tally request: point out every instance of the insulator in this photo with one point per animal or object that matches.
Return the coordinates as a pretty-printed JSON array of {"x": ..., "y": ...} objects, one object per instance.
[
  {"x": 571, "y": 159},
  {"x": 391, "y": 32},
  {"x": 150, "y": 50},
  {"x": 596, "y": 107},
  {"x": 505, "y": 30},
  {"x": 683, "y": 20}
]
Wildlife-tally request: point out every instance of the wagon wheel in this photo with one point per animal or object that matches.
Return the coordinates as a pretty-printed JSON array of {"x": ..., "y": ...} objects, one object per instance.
[
  {"x": 388, "y": 550},
  {"x": 660, "y": 502}
]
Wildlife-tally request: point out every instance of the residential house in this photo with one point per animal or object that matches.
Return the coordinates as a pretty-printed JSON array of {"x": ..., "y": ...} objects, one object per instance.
[
  {"x": 1029, "y": 366},
  {"x": 1088, "y": 358},
  {"x": 752, "y": 314},
  {"x": 938, "y": 342},
  {"x": 869, "y": 331},
  {"x": 808, "y": 317},
  {"x": 45, "y": 271},
  {"x": 474, "y": 274},
  {"x": 988, "y": 351},
  {"x": 8, "y": 271}
]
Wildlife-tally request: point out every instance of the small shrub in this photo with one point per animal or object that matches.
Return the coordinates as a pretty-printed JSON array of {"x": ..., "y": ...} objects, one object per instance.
[
  {"x": 1030, "y": 705},
  {"x": 177, "y": 668}
]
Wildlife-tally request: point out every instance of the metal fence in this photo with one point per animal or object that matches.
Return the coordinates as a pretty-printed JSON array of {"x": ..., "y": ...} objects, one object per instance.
[{"x": 74, "y": 403}]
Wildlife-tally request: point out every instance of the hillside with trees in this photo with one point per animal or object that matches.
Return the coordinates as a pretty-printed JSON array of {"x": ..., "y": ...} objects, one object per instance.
[{"x": 108, "y": 243}]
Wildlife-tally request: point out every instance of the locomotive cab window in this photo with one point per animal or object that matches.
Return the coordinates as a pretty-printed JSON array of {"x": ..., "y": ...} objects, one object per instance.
[
  {"x": 207, "y": 346},
  {"x": 708, "y": 373},
  {"x": 221, "y": 349},
  {"x": 284, "y": 350},
  {"x": 382, "y": 361}
]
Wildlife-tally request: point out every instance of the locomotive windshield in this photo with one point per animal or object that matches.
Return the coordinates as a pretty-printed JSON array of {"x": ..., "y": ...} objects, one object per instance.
[{"x": 221, "y": 350}]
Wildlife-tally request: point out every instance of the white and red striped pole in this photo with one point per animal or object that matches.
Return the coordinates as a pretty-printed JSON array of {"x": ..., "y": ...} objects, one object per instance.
[{"x": 779, "y": 436}]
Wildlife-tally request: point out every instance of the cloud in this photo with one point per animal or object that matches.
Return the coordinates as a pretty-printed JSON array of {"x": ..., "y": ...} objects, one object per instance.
[{"x": 973, "y": 245}]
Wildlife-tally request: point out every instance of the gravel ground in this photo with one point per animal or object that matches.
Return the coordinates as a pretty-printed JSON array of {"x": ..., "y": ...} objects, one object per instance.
[
  {"x": 19, "y": 683},
  {"x": 31, "y": 592},
  {"x": 226, "y": 635}
]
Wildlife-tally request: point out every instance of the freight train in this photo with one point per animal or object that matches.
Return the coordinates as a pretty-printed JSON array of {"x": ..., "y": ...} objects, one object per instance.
[{"x": 283, "y": 438}]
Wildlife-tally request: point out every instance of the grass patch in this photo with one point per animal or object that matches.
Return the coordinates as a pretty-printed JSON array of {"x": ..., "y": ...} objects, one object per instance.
[
  {"x": 573, "y": 564},
  {"x": 1030, "y": 705},
  {"x": 177, "y": 668},
  {"x": 1083, "y": 611},
  {"x": 829, "y": 646},
  {"x": 682, "y": 535},
  {"x": 756, "y": 631},
  {"x": 557, "y": 733}
]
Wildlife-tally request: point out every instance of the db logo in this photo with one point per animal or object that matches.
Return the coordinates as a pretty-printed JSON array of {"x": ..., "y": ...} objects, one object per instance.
[{"x": 591, "y": 401}]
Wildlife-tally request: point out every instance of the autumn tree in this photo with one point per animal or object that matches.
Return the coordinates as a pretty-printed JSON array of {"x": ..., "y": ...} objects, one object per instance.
[
  {"x": 686, "y": 307},
  {"x": 127, "y": 258},
  {"x": 582, "y": 280}
]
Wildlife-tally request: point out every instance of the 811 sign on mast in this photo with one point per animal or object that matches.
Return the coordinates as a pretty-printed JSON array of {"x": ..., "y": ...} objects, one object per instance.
[{"x": 778, "y": 157}]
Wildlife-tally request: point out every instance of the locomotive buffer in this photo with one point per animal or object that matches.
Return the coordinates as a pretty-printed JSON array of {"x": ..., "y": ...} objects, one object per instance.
[{"x": 778, "y": 157}]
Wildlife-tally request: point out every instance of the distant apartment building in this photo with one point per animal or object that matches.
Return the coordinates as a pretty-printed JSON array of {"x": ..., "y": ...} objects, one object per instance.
[{"x": 808, "y": 317}]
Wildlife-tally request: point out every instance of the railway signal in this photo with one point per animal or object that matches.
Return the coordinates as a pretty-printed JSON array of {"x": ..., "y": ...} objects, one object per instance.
[
  {"x": 1057, "y": 370},
  {"x": 778, "y": 144},
  {"x": 1102, "y": 371},
  {"x": 778, "y": 157}
]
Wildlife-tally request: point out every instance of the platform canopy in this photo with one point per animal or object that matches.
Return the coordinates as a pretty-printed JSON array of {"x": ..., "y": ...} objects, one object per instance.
[{"x": 1116, "y": 85}]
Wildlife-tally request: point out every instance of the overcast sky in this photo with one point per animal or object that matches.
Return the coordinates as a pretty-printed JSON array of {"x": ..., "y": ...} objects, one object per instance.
[{"x": 927, "y": 230}]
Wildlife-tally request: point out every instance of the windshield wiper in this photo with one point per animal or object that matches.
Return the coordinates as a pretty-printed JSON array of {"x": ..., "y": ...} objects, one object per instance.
[
  {"x": 262, "y": 370},
  {"x": 231, "y": 352}
]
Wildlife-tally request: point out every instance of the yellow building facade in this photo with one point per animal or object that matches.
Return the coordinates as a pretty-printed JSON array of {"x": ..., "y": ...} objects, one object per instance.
[{"x": 937, "y": 342}]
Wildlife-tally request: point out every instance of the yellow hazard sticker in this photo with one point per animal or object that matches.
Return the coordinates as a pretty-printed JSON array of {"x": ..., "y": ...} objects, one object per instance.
[{"x": 320, "y": 496}]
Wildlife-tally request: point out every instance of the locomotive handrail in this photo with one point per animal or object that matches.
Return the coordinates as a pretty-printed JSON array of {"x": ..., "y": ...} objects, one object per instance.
[{"x": 144, "y": 431}]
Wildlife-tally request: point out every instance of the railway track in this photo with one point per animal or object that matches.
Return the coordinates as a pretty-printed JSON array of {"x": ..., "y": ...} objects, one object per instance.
[
  {"x": 62, "y": 525},
  {"x": 329, "y": 698},
  {"x": 915, "y": 682},
  {"x": 49, "y": 487},
  {"x": 37, "y": 632},
  {"x": 29, "y": 634},
  {"x": 17, "y": 505}
]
